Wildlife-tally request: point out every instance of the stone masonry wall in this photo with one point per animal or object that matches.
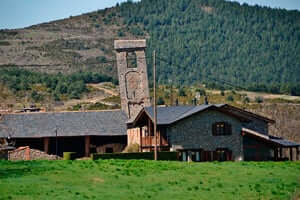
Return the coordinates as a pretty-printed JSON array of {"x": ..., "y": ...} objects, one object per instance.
[
  {"x": 134, "y": 89},
  {"x": 25, "y": 153},
  {"x": 258, "y": 125},
  {"x": 195, "y": 132}
]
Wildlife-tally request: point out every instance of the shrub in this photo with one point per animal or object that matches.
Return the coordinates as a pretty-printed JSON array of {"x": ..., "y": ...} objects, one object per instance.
[
  {"x": 133, "y": 148},
  {"x": 36, "y": 96},
  {"x": 4, "y": 43},
  {"x": 134, "y": 156},
  {"x": 222, "y": 93},
  {"x": 201, "y": 91},
  {"x": 246, "y": 100},
  {"x": 230, "y": 98},
  {"x": 160, "y": 101},
  {"x": 181, "y": 92},
  {"x": 121, "y": 33},
  {"x": 69, "y": 155},
  {"x": 259, "y": 99}
]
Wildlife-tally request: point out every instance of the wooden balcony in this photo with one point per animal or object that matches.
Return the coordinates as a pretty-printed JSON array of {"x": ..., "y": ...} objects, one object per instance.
[{"x": 149, "y": 141}]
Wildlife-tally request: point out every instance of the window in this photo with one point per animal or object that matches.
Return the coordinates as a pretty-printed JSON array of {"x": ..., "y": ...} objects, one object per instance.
[
  {"x": 131, "y": 60},
  {"x": 221, "y": 128},
  {"x": 222, "y": 154}
]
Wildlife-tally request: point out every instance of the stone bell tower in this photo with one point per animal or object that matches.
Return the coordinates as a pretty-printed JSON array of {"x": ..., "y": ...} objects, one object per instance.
[{"x": 133, "y": 80}]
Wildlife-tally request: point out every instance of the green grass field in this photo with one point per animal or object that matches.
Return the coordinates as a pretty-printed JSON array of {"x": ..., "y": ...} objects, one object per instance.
[{"x": 139, "y": 179}]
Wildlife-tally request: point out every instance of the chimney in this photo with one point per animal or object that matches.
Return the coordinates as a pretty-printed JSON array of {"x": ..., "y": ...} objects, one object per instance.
[
  {"x": 195, "y": 102},
  {"x": 205, "y": 100}
]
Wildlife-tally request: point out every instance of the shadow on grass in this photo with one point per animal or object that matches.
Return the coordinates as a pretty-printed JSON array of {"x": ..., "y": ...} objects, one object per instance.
[{"x": 9, "y": 169}]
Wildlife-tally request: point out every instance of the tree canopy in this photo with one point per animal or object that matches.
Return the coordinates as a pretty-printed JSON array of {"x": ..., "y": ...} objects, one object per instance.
[{"x": 202, "y": 41}]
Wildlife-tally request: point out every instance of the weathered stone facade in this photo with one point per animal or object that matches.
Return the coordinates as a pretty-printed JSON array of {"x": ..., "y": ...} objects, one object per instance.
[
  {"x": 195, "y": 132},
  {"x": 257, "y": 125},
  {"x": 134, "y": 89}
]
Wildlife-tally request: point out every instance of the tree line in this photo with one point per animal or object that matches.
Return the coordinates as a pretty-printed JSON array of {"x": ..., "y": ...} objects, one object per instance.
[
  {"x": 57, "y": 85},
  {"x": 257, "y": 48}
]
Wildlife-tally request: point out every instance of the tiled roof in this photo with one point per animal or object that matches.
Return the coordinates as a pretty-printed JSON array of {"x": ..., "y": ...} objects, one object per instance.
[
  {"x": 272, "y": 139},
  {"x": 285, "y": 143},
  {"x": 168, "y": 115},
  {"x": 68, "y": 124}
]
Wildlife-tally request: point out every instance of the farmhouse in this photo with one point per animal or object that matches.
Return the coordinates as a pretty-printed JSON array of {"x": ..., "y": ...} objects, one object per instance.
[
  {"x": 201, "y": 133},
  {"x": 209, "y": 132},
  {"x": 55, "y": 133}
]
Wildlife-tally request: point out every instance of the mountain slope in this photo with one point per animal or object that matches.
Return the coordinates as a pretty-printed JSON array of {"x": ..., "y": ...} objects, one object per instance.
[
  {"x": 68, "y": 45},
  {"x": 207, "y": 41},
  {"x": 203, "y": 40}
]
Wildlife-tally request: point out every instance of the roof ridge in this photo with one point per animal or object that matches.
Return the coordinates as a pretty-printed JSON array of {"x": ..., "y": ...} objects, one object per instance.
[{"x": 87, "y": 111}]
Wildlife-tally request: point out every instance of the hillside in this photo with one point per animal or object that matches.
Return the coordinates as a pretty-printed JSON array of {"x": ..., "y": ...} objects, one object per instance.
[
  {"x": 68, "y": 45},
  {"x": 207, "y": 41}
]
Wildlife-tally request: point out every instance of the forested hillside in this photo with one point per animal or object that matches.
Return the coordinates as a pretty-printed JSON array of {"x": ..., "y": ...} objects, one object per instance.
[
  {"x": 203, "y": 40},
  {"x": 197, "y": 41}
]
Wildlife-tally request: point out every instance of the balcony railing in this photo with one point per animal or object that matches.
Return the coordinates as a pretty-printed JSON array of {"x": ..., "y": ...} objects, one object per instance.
[{"x": 149, "y": 141}]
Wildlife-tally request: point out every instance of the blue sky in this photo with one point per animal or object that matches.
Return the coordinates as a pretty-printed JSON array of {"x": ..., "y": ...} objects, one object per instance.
[{"x": 22, "y": 13}]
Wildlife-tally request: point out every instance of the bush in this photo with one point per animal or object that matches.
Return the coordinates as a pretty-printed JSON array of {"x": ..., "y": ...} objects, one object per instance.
[
  {"x": 121, "y": 33},
  {"x": 4, "y": 43},
  {"x": 36, "y": 96},
  {"x": 160, "y": 101},
  {"x": 135, "y": 156},
  {"x": 69, "y": 155},
  {"x": 230, "y": 98},
  {"x": 222, "y": 93},
  {"x": 181, "y": 92},
  {"x": 201, "y": 91},
  {"x": 259, "y": 99},
  {"x": 133, "y": 148},
  {"x": 246, "y": 100}
]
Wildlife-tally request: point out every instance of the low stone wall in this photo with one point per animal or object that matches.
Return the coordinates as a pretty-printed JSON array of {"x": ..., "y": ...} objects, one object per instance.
[{"x": 25, "y": 153}]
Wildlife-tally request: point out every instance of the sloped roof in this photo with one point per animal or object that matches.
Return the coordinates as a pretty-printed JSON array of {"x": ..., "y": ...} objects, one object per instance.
[
  {"x": 272, "y": 139},
  {"x": 38, "y": 125},
  {"x": 169, "y": 115},
  {"x": 247, "y": 113}
]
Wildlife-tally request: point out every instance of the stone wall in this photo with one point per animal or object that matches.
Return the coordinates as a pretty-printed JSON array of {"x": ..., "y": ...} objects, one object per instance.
[
  {"x": 25, "y": 153},
  {"x": 258, "y": 125},
  {"x": 134, "y": 89},
  {"x": 195, "y": 132}
]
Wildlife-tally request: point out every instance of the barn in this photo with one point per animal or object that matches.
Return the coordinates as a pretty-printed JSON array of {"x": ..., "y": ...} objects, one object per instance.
[{"x": 55, "y": 133}]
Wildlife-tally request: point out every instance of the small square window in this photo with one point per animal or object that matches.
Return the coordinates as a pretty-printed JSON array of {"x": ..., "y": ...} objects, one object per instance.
[{"x": 221, "y": 128}]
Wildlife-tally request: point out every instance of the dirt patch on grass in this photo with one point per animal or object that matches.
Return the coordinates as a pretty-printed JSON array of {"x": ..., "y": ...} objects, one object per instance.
[{"x": 97, "y": 180}]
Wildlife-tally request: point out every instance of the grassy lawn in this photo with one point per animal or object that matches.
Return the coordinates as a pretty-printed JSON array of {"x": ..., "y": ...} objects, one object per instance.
[{"x": 139, "y": 179}]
